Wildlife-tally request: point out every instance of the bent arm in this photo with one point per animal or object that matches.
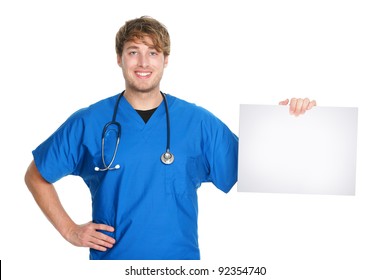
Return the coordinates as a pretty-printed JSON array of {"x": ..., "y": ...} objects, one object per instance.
[
  {"x": 46, "y": 196},
  {"x": 47, "y": 199}
]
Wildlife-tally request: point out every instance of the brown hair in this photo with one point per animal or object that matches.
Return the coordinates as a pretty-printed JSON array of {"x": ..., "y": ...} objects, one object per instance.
[{"x": 137, "y": 29}]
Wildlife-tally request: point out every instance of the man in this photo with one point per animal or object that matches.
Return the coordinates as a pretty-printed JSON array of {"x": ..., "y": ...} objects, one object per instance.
[{"x": 141, "y": 207}]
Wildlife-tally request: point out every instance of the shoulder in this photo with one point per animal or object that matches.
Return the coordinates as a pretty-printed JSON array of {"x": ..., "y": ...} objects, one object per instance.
[
  {"x": 186, "y": 108},
  {"x": 88, "y": 118},
  {"x": 196, "y": 118},
  {"x": 97, "y": 110}
]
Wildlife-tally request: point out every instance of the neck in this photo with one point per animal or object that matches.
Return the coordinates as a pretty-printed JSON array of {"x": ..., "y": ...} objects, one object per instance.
[{"x": 143, "y": 100}]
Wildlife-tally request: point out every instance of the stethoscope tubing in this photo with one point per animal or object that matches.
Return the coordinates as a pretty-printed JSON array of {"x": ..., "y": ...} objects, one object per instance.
[{"x": 166, "y": 158}]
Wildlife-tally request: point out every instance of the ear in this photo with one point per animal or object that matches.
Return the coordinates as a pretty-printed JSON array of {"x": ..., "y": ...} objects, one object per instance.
[
  {"x": 119, "y": 60},
  {"x": 166, "y": 58}
]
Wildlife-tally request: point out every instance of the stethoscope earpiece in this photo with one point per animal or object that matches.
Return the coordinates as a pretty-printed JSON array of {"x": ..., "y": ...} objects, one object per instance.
[{"x": 107, "y": 168}]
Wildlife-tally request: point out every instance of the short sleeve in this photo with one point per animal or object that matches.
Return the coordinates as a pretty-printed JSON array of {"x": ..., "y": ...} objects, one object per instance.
[
  {"x": 221, "y": 151},
  {"x": 62, "y": 152}
]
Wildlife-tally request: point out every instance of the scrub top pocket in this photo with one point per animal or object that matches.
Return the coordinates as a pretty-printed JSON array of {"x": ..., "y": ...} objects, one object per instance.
[{"x": 184, "y": 176}]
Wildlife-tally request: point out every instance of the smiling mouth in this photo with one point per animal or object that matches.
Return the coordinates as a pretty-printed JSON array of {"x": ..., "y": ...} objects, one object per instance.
[{"x": 143, "y": 74}]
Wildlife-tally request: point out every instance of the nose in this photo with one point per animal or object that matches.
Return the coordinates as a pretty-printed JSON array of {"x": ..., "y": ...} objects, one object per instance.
[{"x": 143, "y": 60}]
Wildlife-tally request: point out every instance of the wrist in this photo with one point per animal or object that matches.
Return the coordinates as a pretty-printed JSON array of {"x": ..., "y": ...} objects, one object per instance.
[{"x": 68, "y": 230}]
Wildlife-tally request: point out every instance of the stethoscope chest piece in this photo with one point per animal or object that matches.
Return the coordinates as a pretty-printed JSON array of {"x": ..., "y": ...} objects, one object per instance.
[{"x": 167, "y": 158}]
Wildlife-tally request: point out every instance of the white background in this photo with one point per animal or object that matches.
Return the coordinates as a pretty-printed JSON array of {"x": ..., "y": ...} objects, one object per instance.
[{"x": 58, "y": 56}]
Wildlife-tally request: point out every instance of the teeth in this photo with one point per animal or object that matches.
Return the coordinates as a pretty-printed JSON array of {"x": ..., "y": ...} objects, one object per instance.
[{"x": 143, "y": 74}]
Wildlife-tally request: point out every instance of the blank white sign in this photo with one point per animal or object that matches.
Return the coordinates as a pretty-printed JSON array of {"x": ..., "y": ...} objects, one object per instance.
[{"x": 314, "y": 153}]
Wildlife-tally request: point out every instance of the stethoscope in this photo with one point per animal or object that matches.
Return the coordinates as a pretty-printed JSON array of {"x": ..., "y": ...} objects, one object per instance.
[{"x": 166, "y": 158}]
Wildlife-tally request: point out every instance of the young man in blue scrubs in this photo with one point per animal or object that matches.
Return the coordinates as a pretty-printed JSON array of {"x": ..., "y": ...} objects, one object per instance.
[{"x": 141, "y": 207}]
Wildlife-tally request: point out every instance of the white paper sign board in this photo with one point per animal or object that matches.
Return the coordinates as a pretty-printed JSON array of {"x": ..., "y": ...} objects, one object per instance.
[{"x": 314, "y": 153}]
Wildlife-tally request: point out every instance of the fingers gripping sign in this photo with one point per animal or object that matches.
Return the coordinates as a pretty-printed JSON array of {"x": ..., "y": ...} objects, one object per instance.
[
  {"x": 89, "y": 235},
  {"x": 299, "y": 106}
]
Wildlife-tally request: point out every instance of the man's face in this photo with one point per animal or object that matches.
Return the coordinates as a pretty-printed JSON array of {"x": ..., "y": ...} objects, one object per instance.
[{"x": 142, "y": 66}]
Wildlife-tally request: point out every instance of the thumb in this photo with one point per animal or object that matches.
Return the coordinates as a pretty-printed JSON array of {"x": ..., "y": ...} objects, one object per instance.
[{"x": 284, "y": 102}]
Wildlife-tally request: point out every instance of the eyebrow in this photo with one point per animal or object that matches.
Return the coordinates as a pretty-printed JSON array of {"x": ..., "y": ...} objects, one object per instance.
[{"x": 131, "y": 47}]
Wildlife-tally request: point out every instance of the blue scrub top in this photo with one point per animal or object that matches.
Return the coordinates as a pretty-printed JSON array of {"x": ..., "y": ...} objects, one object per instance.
[{"x": 153, "y": 207}]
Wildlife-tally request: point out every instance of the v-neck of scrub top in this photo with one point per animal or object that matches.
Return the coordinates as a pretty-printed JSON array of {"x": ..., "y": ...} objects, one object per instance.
[
  {"x": 146, "y": 114},
  {"x": 127, "y": 115}
]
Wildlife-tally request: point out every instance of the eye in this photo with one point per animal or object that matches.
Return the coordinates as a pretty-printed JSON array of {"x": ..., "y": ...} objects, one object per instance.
[
  {"x": 153, "y": 53},
  {"x": 132, "y": 53}
]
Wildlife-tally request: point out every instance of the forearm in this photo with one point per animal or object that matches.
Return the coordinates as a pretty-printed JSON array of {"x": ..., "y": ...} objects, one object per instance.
[
  {"x": 47, "y": 199},
  {"x": 86, "y": 235}
]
